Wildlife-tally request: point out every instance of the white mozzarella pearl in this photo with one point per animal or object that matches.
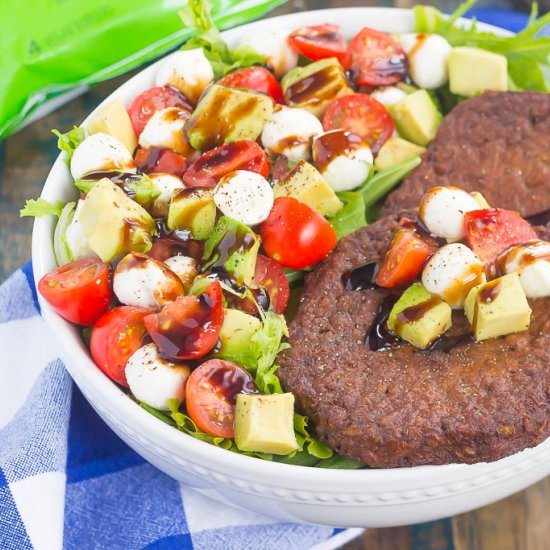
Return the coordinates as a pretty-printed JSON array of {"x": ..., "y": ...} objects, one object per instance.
[
  {"x": 442, "y": 211},
  {"x": 244, "y": 196},
  {"x": 184, "y": 267},
  {"x": 189, "y": 71},
  {"x": 389, "y": 95},
  {"x": 166, "y": 184},
  {"x": 165, "y": 129},
  {"x": 100, "y": 153},
  {"x": 452, "y": 272},
  {"x": 289, "y": 133},
  {"x": 76, "y": 238},
  {"x": 428, "y": 56},
  {"x": 274, "y": 45},
  {"x": 144, "y": 282},
  {"x": 155, "y": 380},
  {"x": 532, "y": 262}
]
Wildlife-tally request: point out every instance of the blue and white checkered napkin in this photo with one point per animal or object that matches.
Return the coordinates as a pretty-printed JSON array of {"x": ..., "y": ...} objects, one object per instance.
[{"x": 66, "y": 480}]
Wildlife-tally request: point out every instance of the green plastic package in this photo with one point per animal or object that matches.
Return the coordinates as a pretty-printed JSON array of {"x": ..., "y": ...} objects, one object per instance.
[{"x": 53, "y": 48}]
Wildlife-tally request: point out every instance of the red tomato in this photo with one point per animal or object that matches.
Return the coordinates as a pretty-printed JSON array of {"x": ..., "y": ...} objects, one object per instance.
[
  {"x": 258, "y": 79},
  {"x": 319, "y": 41},
  {"x": 211, "y": 393},
  {"x": 80, "y": 291},
  {"x": 362, "y": 115},
  {"x": 405, "y": 257},
  {"x": 375, "y": 59},
  {"x": 116, "y": 336},
  {"x": 147, "y": 103},
  {"x": 189, "y": 327},
  {"x": 491, "y": 231},
  {"x": 210, "y": 167},
  {"x": 295, "y": 235},
  {"x": 271, "y": 276},
  {"x": 161, "y": 160}
]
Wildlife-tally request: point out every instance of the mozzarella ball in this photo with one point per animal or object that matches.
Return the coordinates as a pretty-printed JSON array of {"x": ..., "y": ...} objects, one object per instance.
[
  {"x": 166, "y": 184},
  {"x": 389, "y": 95},
  {"x": 144, "y": 282},
  {"x": 244, "y": 196},
  {"x": 185, "y": 268},
  {"x": 428, "y": 56},
  {"x": 155, "y": 380},
  {"x": 532, "y": 262},
  {"x": 186, "y": 70},
  {"x": 442, "y": 211},
  {"x": 274, "y": 45},
  {"x": 100, "y": 153},
  {"x": 289, "y": 133},
  {"x": 165, "y": 129},
  {"x": 75, "y": 237},
  {"x": 342, "y": 158},
  {"x": 452, "y": 272}
]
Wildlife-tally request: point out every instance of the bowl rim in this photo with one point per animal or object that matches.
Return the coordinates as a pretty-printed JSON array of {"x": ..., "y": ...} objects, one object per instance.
[{"x": 87, "y": 375}]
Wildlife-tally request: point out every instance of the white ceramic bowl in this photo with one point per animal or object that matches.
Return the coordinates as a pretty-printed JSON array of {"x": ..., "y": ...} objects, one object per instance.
[{"x": 366, "y": 498}]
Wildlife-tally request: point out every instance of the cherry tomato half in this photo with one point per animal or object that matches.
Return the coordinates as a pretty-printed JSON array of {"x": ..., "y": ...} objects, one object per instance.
[
  {"x": 210, "y": 167},
  {"x": 116, "y": 336},
  {"x": 362, "y": 115},
  {"x": 295, "y": 235},
  {"x": 147, "y": 103},
  {"x": 161, "y": 160},
  {"x": 79, "y": 291},
  {"x": 211, "y": 393},
  {"x": 319, "y": 41},
  {"x": 189, "y": 327},
  {"x": 375, "y": 59},
  {"x": 406, "y": 255},
  {"x": 491, "y": 231},
  {"x": 258, "y": 79},
  {"x": 271, "y": 276}
]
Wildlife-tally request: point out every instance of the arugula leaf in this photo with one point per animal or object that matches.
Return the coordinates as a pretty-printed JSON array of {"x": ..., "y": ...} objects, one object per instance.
[
  {"x": 41, "y": 207},
  {"x": 351, "y": 216},
  {"x": 69, "y": 141},
  {"x": 223, "y": 60},
  {"x": 528, "y": 55}
]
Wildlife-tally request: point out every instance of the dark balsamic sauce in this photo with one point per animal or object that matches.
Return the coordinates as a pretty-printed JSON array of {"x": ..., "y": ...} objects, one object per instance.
[
  {"x": 362, "y": 277},
  {"x": 446, "y": 343},
  {"x": 171, "y": 243},
  {"x": 230, "y": 382},
  {"x": 380, "y": 337},
  {"x": 543, "y": 218}
]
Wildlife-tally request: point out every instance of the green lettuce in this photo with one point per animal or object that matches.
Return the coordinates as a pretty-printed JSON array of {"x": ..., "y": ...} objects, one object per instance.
[
  {"x": 62, "y": 251},
  {"x": 41, "y": 207},
  {"x": 69, "y": 141},
  {"x": 351, "y": 216}
]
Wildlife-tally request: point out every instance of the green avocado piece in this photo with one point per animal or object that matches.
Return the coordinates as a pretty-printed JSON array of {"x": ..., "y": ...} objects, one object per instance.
[
  {"x": 306, "y": 184},
  {"x": 419, "y": 317},
  {"x": 265, "y": 423},
  {"x": 316, "y": 85},
  {"x": 227, "y": 114},
  {"x": 113, "y": 223},
  {"x": 395, "y": 151},
  {"x": 473, "y": 70},
  {"x": 234, "y": 247},
  {"x": 192, "y": 209},
  {"x": 416, "y": 117},
  {"x": 497, "y": 308}
]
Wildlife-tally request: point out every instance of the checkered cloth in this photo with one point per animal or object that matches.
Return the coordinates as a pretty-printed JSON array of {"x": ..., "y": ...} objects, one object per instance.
[{"x": 66, "y": 480}]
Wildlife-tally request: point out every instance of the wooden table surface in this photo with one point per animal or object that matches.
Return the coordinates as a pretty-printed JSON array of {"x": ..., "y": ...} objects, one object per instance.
[{"x": 519, "y": 522}]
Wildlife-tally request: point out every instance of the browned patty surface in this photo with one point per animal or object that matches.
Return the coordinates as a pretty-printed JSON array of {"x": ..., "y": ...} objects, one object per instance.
[
  {"x": 405, "y": 407},
  {"x": 497, "y": 143}
]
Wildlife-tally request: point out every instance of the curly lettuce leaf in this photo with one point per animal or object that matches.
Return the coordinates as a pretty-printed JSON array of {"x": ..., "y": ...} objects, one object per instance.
[
  {"x": 41, "y": 207},
  {"x": 69, "y": 141}
]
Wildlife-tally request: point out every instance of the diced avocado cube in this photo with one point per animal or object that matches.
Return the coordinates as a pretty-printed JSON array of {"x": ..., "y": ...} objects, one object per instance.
[
  {"x": 419, "y": 317},
  {"x": 416, "y": 117},
  {"x": 480, "y": 199},
  {"x": 473, "y": 70},
  {"x": 227, "y": 114},
  {"x": 192, "y": 209},
  {"x": 306, "y": 184},
  {"x": 395, "y": 151},
  {"x": 265, "y": 423},
  {"x": 113, "y": 223},
  {"x": 113, "y": 119},
  {"x": 497, "y": 308},
  {"x": 316, "y": 85},
  {"x": 233, "y": 247},
  {"x": 237, "y": 330}
]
